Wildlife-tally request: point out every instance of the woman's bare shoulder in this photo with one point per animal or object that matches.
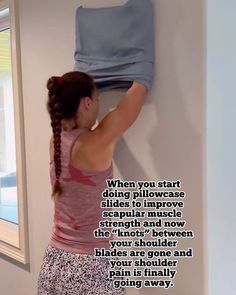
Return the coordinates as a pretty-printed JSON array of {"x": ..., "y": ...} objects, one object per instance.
[{"x": 93, "y": 141}]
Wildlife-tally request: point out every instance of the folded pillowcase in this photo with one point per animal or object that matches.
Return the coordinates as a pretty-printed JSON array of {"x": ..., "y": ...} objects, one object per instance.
[{"x": 115, "y": 45}]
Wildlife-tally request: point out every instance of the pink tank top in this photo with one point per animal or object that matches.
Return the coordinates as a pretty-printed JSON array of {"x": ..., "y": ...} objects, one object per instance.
[{"x": 77, "y": 212}]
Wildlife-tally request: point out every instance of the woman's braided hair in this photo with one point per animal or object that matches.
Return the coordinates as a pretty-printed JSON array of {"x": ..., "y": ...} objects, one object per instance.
[{"x": 64, "y": 95}]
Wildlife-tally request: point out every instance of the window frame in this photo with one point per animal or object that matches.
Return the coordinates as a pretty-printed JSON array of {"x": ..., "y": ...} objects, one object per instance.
[{"x": 10, "y": 248}]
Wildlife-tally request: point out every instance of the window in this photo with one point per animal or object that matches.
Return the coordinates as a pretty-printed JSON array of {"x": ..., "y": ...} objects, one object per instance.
[{"x": 13, "y": 225}]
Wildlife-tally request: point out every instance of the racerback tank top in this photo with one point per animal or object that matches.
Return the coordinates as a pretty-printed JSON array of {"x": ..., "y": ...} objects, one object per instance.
[{"x": 77, "y": 212}]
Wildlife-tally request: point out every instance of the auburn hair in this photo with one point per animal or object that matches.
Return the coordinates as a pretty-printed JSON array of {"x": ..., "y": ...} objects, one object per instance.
[{"x": 64, "y": 96}]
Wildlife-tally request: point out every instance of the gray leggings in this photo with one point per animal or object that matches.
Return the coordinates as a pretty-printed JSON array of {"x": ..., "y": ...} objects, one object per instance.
[{"x": 64, "y": 273}]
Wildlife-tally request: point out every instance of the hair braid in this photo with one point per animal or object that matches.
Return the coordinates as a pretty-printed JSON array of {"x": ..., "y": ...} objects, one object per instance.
[
  {"x": 56, "y": 126},
  {"x": 54, "y": 107}
]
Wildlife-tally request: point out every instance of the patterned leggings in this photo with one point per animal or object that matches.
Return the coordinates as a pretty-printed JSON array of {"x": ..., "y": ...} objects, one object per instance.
[{"x": 64, "y": 273}]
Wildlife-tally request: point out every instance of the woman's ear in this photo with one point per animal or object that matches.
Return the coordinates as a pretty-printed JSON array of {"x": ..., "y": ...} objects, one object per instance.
[{"x": 87, "y": 102}]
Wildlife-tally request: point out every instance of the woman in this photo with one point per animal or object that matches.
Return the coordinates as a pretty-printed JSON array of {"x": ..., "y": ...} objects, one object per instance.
[{"x": 80, "y": 164}]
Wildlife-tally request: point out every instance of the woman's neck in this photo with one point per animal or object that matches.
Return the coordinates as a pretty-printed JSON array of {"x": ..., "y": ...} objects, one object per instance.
[{"x": 67, "y": 125}]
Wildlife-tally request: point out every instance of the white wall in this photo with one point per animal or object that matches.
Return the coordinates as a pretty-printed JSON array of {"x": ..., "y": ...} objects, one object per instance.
[
  {"x": 166, "y": 142},
  {"x": 221, "y": 145}
]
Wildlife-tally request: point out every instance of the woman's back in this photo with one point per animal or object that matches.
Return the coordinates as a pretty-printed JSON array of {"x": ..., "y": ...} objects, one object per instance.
[{"x": 78, "y": 210}]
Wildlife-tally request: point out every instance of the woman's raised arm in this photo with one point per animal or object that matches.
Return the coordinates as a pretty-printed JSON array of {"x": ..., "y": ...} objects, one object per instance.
[{"x": 116, "y": 122}]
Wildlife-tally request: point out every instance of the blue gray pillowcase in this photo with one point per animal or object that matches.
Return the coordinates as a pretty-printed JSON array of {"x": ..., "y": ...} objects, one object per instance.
[{"x": 115, "y": 45}]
